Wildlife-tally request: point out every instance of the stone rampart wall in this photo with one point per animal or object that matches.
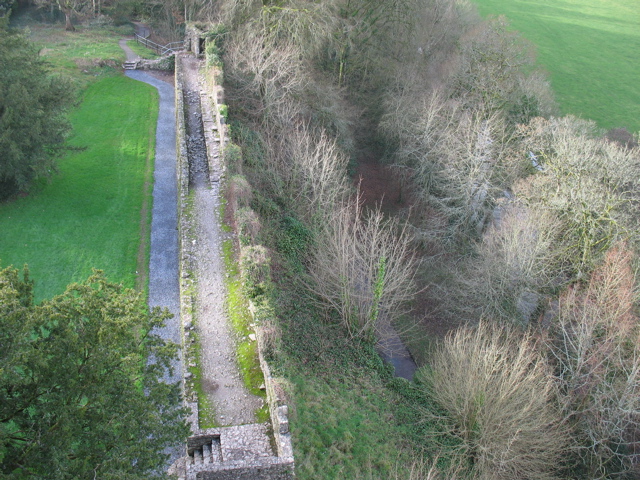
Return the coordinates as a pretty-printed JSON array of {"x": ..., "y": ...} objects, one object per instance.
[
  {"x": 273, "y": 467},
  {"x": 277, "y": 407},
  {"x": 186, "y": 266}
]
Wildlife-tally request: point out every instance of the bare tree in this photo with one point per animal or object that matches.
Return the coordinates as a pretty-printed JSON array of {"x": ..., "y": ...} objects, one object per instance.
[
  {"x": 595, "y": 344},
  {"x": 264, "y": 76},
  {"x": 313, "y": 170},
  {"x": 592, "y": 185},
  {"x": 70, "y": 9},
  {"x": 491, "y": 64},
  {"x": 458, "y": 159},
  {"x": 518, "y": 262},
  {"x": 363, "y": 268},
  {"x": 497, "y": 395},
  {"x": 421, "y": 469}
]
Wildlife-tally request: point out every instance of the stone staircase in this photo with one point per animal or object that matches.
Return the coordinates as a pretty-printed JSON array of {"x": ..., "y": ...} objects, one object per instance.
[
  {"x": 131, "y": 65},
  {"x": 233, "y": 452}
]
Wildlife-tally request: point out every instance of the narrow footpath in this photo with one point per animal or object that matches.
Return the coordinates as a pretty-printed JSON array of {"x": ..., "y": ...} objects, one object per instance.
[
  {"x": 164, "y": 287},
  {"x": 163, "y": 257},
  {"x": 222, "y": 383}
]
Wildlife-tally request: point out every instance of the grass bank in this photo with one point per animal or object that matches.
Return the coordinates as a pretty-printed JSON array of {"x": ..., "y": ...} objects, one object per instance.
[
  {"x": 89, "y": 214},
  {"x": 589, "y": 47},
  {"x": 141, "y": 50},
  {"x": 350, "y": 417},
  {"x": 86, "y": 55}
]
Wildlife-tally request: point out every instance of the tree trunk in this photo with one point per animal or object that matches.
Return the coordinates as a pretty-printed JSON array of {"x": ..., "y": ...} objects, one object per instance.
[{"x": 68, "y": 26}]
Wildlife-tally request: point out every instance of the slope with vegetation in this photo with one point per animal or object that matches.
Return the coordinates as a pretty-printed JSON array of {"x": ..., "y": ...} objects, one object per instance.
[{"x": 515, "y": 212}]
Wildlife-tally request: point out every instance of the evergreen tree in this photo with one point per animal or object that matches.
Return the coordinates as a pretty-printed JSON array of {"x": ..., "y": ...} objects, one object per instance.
[
  {"x": 33, "y": 105},
  {"x": 79, "y": 395}
]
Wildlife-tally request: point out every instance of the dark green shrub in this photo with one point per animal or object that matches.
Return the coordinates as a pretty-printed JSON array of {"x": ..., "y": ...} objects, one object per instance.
[{"x": 233, "y": 158}]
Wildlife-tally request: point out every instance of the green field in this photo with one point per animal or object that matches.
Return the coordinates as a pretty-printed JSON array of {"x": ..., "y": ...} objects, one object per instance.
[
  {"x": 591, "y": 49},
  {"x": 89, "y": 214}
]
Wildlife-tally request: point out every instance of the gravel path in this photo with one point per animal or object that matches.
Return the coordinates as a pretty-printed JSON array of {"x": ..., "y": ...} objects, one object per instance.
[
  {"x": 128, "y": 52},
  {"x": 164, "y": 285},
  {"x": 233, "y": 403},
  {"x": 163, "y": 259}
]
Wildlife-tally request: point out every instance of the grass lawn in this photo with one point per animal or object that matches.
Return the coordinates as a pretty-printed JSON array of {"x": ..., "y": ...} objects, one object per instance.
[
  {"x": 591, "y": 48},
  {"x": 141, "y": 50},
  {"x": 86, "y": 55},
  {"x": 89, "y": 214}
]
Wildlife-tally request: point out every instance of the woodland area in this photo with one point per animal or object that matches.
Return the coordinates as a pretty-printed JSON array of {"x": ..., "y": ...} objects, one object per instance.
[{"x": 513, "y": 251}]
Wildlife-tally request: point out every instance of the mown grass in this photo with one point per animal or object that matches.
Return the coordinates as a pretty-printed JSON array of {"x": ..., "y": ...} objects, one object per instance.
[
  {"x": 89, "y": 214},
  {"x": 590, "y": 48}
]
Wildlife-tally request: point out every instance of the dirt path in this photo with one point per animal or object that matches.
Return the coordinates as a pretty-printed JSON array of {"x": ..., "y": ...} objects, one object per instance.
[{"x": 233, "y": 403}]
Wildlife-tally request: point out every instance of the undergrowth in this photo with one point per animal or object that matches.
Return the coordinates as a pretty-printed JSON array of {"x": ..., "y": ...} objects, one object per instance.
[
  {"x": 240, "y": 317},
  {"x": 350, "y": 417}
]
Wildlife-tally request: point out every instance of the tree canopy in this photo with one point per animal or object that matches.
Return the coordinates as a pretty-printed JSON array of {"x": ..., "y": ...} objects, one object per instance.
[
  {"x": 33, "y": 106},
  {"x": 79, "y": 396}
]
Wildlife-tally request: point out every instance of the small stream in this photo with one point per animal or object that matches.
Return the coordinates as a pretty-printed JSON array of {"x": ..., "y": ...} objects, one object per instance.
[{"x": 393, "y": 351}]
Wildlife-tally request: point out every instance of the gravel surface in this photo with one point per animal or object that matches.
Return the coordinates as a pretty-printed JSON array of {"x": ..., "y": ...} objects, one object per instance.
[
  {"x": 163, "y": 259},
  {"x": 233, "y": 403}
]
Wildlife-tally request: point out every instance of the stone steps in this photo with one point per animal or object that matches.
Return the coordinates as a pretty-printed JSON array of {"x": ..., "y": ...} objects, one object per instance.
[
  {"x": 206, "y": 450},
  {"x": 242, "y": 451},
  {"x": 130, "y": 65}
]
